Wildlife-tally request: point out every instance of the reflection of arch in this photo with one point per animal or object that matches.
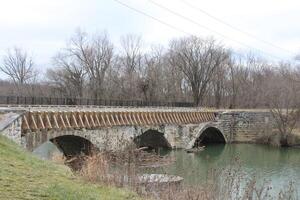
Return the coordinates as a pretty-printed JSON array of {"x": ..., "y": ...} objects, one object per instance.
[
  {"x": 209, "y": 135},
  {"x": 212, "y": 152},
  {"x": 72, "y": 145},
  {"x": 152, "y": 139}
]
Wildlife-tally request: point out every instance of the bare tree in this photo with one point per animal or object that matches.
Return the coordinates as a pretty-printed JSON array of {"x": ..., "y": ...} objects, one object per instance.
[
  {"x": 190, "y": 69},
  {"x": 150, "y": 83},
  {"x": 68, "y": 77},
  {"x": 132, "y": 56},
  {"x": 219, "y": 83},
  {"x": 131, "y": 61},
  {"x": 251, "y": 75},
  {"x": 233, "y": 86},
  {"x": 198, "y": 59},
  {"x": 84, "y": 62},
  {"x": 284, "y": 103},
  {"x": 95, "y": 56},
  {"x": 18, "y": 66}
]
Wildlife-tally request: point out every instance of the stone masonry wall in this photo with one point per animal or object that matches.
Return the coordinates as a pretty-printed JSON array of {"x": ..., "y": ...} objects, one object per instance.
[
  {"x": 245, "y": 126},
  {"x": 10, "y": 126},
  {"x": 117, "y": 137}
]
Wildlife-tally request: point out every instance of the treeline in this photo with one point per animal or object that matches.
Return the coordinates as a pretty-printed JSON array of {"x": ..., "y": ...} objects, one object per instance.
[{"x": 189, "y": 69}]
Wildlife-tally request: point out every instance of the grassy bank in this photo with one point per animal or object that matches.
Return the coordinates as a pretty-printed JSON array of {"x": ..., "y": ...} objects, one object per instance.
[{"x": 23, "y": 176}]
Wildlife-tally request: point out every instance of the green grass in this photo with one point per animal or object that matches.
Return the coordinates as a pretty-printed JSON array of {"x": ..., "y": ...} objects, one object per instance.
[{"x": 23, "y": 176}]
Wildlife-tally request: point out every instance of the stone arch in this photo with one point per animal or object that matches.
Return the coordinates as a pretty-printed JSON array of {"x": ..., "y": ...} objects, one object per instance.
[
  {"x": 152, "y": 139},
  {"x": 72, "y": 145},
  {"x": 208, "y": 134},
  {"x": 81, "y": 139}
]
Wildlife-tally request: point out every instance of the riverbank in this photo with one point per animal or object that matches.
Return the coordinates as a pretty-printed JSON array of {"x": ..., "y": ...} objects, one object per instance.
[{"x": 23, "y": 176}]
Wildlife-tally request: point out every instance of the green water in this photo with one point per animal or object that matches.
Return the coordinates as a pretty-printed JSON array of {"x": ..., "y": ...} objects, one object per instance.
[{"x": 279, "y": 166}]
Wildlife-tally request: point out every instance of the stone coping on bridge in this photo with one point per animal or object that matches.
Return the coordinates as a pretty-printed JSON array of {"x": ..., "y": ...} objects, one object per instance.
[
  {"x": 242, "y": 110},
  {"x": 21, "y": 108},
  {"x": 101, "y": 109},
  {"x": 7, "y": 119}
]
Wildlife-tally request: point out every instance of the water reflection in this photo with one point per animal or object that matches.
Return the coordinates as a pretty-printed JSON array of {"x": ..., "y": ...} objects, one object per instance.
[
  {"x": 212, "y": 152},
  {"x": 278, "y": 165}
]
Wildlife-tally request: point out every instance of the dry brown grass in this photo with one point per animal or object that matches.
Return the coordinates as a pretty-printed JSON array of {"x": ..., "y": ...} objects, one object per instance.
[
  {"x": 124, "y": 169},
  {"x": 58, "y": 158},
  {"x": 128, "y": 162},
  {"x": 269, "y": 138},
  {"x": 273, "y": 138}
]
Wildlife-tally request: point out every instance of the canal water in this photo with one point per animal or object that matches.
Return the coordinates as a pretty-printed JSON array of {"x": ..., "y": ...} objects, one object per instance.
[{"x": 277, "y": 166}]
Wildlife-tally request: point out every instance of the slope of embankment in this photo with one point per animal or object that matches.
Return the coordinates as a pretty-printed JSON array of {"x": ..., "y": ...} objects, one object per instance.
[{"x": 23, "y": 176}]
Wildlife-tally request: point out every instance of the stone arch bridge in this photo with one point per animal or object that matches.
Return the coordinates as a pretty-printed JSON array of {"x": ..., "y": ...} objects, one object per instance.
[{"x": 74, "y": 130}]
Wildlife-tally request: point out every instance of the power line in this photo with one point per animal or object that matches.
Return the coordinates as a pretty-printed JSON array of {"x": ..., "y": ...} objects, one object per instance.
[
  {"x": 187, "y": 33},
  {"x": 205, "y": 27},
  {"x": 153, "y": 18},
  {"x": 233, "y": 27}
]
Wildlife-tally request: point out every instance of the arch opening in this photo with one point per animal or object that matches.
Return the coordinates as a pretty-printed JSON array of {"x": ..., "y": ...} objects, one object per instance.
[
  {"x": 72, "y": 145},
  {"x": 153, "y": 140},
  {"x": 210, "y": 135}
]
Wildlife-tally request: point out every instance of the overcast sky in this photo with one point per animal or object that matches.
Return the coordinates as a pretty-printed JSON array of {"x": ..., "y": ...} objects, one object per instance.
[{"x": 43, "y": 26}]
